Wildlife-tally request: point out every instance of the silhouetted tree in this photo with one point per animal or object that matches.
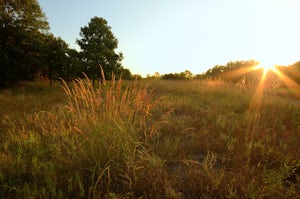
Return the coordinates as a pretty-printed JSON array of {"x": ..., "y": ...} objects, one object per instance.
[
  {"x": 234, "y": 71},
  {"x": 22, "y": 29},
  {"x": 178, "y": 76},
  {"x": 98, "y": 45},
  {"x": 137, "y": 76},
  {"x": 74, "y": 67},
  {"x": 126, "y": 74},
  {"x": 56, "y": 58}
]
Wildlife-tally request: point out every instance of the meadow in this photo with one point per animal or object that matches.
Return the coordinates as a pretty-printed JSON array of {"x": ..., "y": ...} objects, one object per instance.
[{"x": 149, "y": 139}]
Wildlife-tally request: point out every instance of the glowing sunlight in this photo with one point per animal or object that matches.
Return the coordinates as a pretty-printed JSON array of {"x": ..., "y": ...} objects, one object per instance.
[
  {"x": 267, "y": 66},
  {"x": 258, "y": 95},
  {"x": 291, "y": 84},
  {"x": 257, "y": 100}
]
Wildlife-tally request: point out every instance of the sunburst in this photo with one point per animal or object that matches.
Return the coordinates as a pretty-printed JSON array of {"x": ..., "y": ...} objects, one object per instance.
[
  {"x": 266, "y": 67},
  {"x": 256, "y": 102}
]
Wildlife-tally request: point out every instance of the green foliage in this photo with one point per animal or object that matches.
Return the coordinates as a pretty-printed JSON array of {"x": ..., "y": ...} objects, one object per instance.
[
  {"x": 186, "y": 75},
  {"x": 29, "y": 52},
  {"x": 234, "y": 71},
  {"x": 126, "y": 74},
  {"x": 56, "y": 57},
  {"x": 22, "y": 27},
  {"x": 98, "y": 46},
  {"x": 60, "y": 60},
  {"x": 25, "y": 15}
]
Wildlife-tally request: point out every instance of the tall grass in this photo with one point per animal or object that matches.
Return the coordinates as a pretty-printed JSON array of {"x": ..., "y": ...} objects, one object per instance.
[
  {"x": 110, "y": 103},
  {"x": 88, "y": 148}
]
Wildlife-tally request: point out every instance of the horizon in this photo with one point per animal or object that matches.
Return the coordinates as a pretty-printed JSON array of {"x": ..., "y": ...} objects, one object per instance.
[{"x": 174, "y": 36}]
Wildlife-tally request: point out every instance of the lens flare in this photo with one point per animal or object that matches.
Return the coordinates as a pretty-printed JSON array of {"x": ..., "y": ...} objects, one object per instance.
[
  {"x": 266, "y": 66},
  {"x": 255, "y": 107}
]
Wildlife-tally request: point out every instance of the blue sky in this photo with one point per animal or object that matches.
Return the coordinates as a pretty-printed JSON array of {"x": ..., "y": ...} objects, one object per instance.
[{"x": 168, "y": 36}]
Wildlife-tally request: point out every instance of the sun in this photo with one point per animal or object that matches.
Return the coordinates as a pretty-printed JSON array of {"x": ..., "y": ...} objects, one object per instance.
[{"x": 266, "y": 66}]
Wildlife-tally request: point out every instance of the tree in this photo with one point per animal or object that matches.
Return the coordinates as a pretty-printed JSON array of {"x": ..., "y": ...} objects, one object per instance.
[
  {"x": 216, "y": 71},
  {"x": 126, "y": 74},
  {"x": 22, "y": 26},
  {"x": 174, "y": 76},
  {"x": 188, "y": 74},
  {"x": 61, "y": 61},
  {"x": 157, "y": 75},
  {"x": 23, "y": 14},
  {"x": 56, "y": 57},
  {"x": 98, "y": 45},
  {"x": 235, "y": 71},
  {"x": 74, "y": 67}
]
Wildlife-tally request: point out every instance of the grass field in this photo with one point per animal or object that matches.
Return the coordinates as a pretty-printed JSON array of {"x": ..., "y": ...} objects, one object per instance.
[{"x": 149, "y": 139}]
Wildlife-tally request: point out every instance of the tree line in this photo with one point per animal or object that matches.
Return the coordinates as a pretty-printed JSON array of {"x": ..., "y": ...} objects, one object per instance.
[
  {"x": 28, "y": 51},
  {"x": 235, "y": 71},
  {"x": 248, "y": 70}
]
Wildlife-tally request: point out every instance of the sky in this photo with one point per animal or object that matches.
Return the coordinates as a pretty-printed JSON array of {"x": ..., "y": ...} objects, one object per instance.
[{"x": 170, "y": 36}]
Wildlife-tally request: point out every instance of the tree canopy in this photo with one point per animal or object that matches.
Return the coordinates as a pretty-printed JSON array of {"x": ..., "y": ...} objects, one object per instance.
[
  {"x": 22, "y": 29},
  {"x": 234, "y": 71},
  {"x": 98, "y": 45},
  {"x": 186, "y": 75},
  {"x": 28, "y": 50},
  {"x": 23, "y": 14}
]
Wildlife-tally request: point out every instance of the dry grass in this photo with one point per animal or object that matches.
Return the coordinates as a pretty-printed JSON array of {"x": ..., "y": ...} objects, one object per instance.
[{"x": 110, "y": 102}]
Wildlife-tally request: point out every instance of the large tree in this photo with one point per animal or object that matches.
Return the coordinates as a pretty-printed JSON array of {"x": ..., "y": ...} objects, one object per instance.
[
  {"x": 60, "y": 60},
  {"x": 22, "y": 29},
  {"x": 98, "y": 45},
  {"x": 56, "y": 57}
]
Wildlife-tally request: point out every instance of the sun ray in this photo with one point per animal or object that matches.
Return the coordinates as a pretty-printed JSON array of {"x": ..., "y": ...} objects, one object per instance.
[
  {"x": 291, "y": 84},
  {"x": 256, "y": 102},
  {"x": 255, "y": 105},
  {"x": 238, "y": 72},
  {"x": 266, "y": 67}
]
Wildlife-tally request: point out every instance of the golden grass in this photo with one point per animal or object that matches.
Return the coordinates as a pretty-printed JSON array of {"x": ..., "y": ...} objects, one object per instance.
[{"x": 109, "y": 102}]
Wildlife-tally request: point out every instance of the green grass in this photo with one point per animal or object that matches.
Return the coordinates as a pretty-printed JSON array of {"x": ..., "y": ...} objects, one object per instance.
[{"x": 148, "y": 139}]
